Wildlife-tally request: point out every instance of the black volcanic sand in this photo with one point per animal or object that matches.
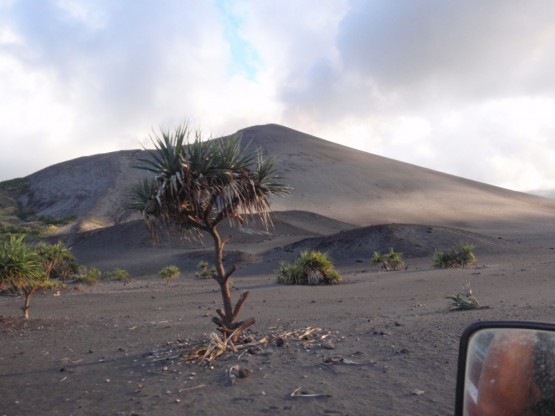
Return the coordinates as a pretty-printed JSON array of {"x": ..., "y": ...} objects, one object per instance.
[{"x": 389, "y": 347}]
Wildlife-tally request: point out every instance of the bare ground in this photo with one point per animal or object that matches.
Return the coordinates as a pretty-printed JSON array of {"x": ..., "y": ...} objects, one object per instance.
[{"x": 114, "y": 349}]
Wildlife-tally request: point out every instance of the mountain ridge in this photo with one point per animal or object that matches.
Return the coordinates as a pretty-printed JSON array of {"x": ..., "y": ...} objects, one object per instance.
[{"x": 328, "y": 179}]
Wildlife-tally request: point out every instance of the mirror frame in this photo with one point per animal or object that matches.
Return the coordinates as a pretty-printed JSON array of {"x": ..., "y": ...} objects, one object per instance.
[{"x": 463, "y": 349}]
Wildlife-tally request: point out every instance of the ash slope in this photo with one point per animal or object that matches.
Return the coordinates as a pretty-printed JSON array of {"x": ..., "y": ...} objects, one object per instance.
[{"x": 330, "y": 180}]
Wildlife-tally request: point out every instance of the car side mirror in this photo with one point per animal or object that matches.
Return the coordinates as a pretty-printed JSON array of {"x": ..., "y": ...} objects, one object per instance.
[{"x": 506, "y": 368}]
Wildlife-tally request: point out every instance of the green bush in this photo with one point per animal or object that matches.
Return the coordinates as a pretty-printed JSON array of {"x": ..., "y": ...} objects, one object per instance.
[
  {"x": 390, "y": 261},
  {"x": 57, "y": 259},
  {"x": 67, "y": 271},
  {"x": 88, "y": 275},
  {"x": 10, "y": 229},
  {"x": 204, "y": 271},
  {"x": 117, "y": 275},
  {"x": 310, "y": 268},
  {"x": 455, "y": 258},
  {"x": 169, "y": 273}
]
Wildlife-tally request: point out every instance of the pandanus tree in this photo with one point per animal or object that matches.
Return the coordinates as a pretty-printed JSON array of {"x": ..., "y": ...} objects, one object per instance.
[
  {"x": 199, "y": 184},
  {"x": 21, "y": 269}
]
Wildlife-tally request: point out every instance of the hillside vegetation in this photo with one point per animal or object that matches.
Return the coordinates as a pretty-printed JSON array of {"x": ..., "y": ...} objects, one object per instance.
[{"x": 15, "y": 220}]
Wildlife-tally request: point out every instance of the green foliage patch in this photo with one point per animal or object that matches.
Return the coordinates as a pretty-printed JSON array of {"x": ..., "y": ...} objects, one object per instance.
[
  {"x": 117, "y": 275},
  {"x": 88, "y": 276},
  {"x": 454, "y": 258},
  {"x": 390, "y": 261},
  {"x": 204, "y": 270},
  {"x": 310, "y": 268},
  {"x": 15, "y": 186},
  {"x": 169, "y": 273},
  {"x": 57, "y": 259}
]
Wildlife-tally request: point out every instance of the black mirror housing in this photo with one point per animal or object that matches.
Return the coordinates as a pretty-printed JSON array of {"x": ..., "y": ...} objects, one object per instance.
[{"x": 506, "y": 367}]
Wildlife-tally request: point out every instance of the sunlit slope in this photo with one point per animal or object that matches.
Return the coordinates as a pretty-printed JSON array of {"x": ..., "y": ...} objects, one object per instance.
[
  {"x": 328, "y": 179},
  {"x": 362, "y": 188}
]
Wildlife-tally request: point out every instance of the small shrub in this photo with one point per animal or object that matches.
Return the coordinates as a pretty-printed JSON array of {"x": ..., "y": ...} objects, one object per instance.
[
  {"x": 169, "y": 273},
  {"x": 67, "y": 271},
  {"x": 455, "y": 258},
  {"x": 204, "y": 272},
  {"x": 310, "y": 268},
  {"x": 88, "y": 275},
  {"x": 390, "y": 261},
  {"x": 56, "y": 258},
  {"x": 117, "y": 275},
  {"x": 290, "y": 274}
]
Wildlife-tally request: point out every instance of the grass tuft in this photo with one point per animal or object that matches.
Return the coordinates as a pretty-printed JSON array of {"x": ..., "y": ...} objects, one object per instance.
[
  {"x": 169, "y": 273},
  {"x": 310, "y": 268},
  {"x": 455, "y": 258},
  {"x": 390, "y": 261}
]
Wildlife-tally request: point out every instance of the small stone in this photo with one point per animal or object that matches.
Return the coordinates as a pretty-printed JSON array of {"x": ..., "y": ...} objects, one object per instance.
[
  {"x": 177, "y": 401},
  {"x": 280, "y": 342},
  {"x": 243, "y": 373},
  {"x": 328, "y": 345},
  {"x": 417, "y": 392}
]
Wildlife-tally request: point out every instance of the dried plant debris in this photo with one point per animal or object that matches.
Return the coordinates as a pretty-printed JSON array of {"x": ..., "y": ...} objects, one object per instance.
[
  {"x": 307, "y": 336},
  {"x": 216, "y": 347},
  {"x": 207, "y": 352},
  {"x": 464, "y": 301},
  {"x": 300, "y": 393}
]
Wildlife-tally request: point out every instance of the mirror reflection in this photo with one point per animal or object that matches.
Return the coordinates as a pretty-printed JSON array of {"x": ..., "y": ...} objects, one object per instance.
[{"x": 510, "y": 372}]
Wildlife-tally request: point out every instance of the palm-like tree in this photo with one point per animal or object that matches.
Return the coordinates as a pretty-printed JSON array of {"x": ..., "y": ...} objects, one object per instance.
[
  {"x": 197, "y": 185},
  {"x": 21, "y": 269}
]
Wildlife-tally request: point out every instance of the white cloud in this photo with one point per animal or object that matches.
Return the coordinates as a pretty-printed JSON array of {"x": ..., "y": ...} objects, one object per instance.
[{"x": 462, "y": 87}]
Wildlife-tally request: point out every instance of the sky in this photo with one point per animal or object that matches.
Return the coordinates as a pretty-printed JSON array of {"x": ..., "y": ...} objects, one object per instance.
[{"x": 463, "y": 87}]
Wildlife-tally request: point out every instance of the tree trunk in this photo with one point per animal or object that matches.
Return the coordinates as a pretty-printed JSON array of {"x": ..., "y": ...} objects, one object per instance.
[
  {"x": 228, "y": 315},
  {"x": 27, "y": 304},
  {"x": 220, "y": 275}
]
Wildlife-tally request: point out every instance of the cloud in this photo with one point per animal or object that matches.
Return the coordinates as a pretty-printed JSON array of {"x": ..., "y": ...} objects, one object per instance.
[
  {"x": 462, "y": 87},
  {"x": 81, "y": 77},
  {"x": 455, "y": 86},
  {"x": 470, "y": 49}
]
